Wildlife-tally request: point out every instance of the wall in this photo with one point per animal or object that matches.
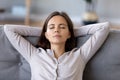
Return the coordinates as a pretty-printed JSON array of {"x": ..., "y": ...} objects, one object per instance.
[
  {"x": 107, "y": 10},
  {"x": 8, "y": 4},
  {"x": 73, "y": 7}
]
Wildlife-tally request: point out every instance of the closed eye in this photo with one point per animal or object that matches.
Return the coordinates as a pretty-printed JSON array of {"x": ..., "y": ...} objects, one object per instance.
[
  {"x": 51, "y": 26},
  {"x": 62, "y": 26}
]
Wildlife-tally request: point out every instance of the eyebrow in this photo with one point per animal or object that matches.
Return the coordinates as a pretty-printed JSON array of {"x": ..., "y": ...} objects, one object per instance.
[
  {"x": 63, "y": 24},
  {"x": 50, "y": 24},
  {"x": 59, "y": 24}
]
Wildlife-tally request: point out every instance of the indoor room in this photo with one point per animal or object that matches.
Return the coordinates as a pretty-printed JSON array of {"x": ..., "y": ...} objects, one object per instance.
[
  {"x": 59, "y": 40},
  {"x": 34, "y": 12}
]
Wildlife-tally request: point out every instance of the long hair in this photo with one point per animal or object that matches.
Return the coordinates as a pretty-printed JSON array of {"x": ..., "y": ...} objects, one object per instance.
[{"x": 70, "y": 43}]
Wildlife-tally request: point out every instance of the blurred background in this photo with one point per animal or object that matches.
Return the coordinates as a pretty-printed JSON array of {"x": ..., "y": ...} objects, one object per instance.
[{"x": 34, "y": 12}]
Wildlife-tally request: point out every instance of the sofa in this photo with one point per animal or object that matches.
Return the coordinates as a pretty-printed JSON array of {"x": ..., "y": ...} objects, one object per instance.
[{"x": 104, "y": 65}]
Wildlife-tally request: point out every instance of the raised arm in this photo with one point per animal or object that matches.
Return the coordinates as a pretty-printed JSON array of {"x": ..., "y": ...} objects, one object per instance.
[
  {"x": 24, "y": 47},
  {"x": 99, "y": 34},
  {"x": 24, "y": 30},
  {"x": 89, "y": 29}
]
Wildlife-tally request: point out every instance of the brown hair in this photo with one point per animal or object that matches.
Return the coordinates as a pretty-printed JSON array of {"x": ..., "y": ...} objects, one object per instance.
[{"x": 70, "y": 43}]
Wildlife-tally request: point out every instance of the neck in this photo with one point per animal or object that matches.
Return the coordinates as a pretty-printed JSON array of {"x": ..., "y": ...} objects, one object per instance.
[{"x": 58, "y": 50}]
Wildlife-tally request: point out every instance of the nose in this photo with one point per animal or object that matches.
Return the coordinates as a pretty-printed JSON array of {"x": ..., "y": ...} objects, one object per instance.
[{"x": 56, "y": 29}]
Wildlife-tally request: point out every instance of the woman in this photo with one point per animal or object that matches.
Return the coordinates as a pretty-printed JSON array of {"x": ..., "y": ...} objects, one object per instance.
[{"x": 56, "y": 57}]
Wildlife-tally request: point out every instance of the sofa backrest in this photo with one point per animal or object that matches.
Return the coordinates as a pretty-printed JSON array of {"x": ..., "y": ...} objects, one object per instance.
[
  {"x": 12, "y": 65},
  {"x": 104, "y": 65}
]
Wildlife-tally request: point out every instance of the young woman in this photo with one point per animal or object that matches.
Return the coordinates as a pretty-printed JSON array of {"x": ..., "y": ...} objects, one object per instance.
[{"x": 56, "y": 57}]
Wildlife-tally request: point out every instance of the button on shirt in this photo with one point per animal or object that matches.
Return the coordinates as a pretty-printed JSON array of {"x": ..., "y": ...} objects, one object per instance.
[{"x": 70, "y": 65}]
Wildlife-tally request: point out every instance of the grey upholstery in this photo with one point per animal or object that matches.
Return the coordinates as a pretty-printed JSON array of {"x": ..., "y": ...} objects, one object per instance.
[
  {"x": 12, "y": 65},
  {"x": 105, "y": 65}
]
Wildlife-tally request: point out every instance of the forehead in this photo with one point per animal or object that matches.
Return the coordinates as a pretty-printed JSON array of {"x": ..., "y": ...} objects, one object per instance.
[{"x": 57, "y": 19}]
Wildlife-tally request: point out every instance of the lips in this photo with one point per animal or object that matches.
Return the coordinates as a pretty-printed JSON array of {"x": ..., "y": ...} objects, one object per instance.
[{"x": 57, "y": 36}]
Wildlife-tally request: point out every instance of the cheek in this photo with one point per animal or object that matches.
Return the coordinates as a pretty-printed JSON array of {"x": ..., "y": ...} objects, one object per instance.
[
  {"x": 49, "y": 31},
  {"x": 68, "y": 34},
  {"x": 48, "y": 35}
]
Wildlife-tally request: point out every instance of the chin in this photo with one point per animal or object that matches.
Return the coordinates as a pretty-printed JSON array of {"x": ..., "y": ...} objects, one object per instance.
[{"x": 58, "y": 42}]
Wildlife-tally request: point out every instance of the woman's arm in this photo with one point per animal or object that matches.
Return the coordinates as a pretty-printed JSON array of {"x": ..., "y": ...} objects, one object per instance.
[
  {"x": 88, "y": 29},
  {"x": 25, "y": 30},
  {"x": 99, "y": 34},
  {"x": 25, "y": 48}
]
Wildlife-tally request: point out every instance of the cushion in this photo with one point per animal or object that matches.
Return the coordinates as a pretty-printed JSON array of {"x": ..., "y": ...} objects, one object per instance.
[
  {"x": 105, "y": 64},
  {"x": 12, "y": 65}
]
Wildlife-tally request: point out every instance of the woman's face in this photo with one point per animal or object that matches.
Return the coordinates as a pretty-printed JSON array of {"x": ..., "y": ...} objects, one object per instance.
[{"x": 57, "y": 30}]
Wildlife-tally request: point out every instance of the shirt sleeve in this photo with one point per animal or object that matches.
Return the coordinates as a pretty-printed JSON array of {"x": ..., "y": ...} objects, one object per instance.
[
  {"x": 25, "y": 30},
  {"x": 89, "y": 29},
  {"x": 99, "y": 34},
  {"x": 24, "y": 47}
]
